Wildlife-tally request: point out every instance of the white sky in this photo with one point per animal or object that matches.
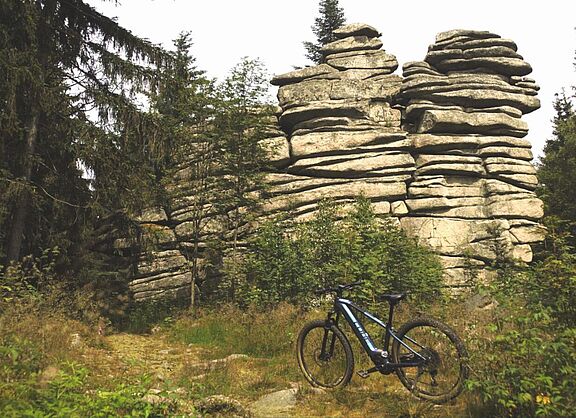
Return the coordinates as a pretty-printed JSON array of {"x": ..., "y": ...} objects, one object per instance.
[{"x": 224, "y": 31}]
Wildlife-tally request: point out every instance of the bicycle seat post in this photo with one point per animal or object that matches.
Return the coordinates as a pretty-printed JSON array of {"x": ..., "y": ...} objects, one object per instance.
[{"x": 391, "y": 303}]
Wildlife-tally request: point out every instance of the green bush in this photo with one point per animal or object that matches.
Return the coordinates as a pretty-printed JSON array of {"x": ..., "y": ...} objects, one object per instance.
[
  {"x": 19, "y": 359},
  {"x": 526, "y": 363},
  {"x": 141, "y": 317},
  {"x": 526, "y": 368},
  {"x": 548, "y": 284},
  {"x": 288, "y": 261},
  {"x": 28, "y": 279}
]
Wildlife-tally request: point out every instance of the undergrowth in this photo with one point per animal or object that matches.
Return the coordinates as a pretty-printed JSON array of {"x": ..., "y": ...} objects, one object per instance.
[
  {"x": 70, "y": 395},
  {"x": 42, "y": 373}
]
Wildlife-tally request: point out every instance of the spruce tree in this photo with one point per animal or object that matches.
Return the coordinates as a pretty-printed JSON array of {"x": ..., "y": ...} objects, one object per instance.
[
  {"x": 558, "y": 166},
  {"x": 241, "y": 125},
  {"x": 331, "y": 18},
  {"x": 69, "y": 79},
  {"x": 186, "y": 103}
]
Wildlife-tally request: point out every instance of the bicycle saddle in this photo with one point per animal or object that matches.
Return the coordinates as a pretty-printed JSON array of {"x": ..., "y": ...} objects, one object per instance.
[{"x": 393, "y": 297}]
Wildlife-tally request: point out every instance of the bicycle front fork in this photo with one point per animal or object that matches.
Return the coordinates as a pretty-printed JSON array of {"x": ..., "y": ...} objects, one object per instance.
[{"x": 329, "y": 338}]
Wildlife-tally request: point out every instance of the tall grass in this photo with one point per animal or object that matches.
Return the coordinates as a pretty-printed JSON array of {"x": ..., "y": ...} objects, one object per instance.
[{"x": 254, "y": 332}]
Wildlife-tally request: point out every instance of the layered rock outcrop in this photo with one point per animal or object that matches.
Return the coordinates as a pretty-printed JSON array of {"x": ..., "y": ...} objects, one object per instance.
[
  {"x": 472, "y": 192},
  {"x": 441, "y": 149},
  {"x": 343, "y": 132},
  {"x": 162, "y": 273}
]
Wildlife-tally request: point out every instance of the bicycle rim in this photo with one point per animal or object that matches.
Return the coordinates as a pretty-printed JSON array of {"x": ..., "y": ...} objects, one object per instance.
[
  {"x": 441, "y": 377},
  {"x": 324, "y": 355}
]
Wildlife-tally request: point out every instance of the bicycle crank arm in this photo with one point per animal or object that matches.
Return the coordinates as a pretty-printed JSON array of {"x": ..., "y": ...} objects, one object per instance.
[{"x": 365, "y": 373}]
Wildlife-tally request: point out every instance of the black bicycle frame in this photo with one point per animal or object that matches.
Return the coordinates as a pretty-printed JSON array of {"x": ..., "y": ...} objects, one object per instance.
[{"x": 345, "y": 308}]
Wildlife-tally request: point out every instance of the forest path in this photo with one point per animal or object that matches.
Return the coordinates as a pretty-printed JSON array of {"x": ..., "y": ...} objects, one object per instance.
[
  {"x": 151, "y": 354},
  {"x": 165, "y": 361}
]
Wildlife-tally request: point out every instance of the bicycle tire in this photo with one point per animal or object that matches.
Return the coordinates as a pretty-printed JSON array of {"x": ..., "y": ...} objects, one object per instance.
[
  {"x": 331, "y": 372},
  {"x": 442, "y": 378}
]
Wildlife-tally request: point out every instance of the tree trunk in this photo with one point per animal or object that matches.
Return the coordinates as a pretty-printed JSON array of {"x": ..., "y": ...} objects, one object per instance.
[
  {"x": 193, "y": 279},
  {"x": 22, "y": 207},
  {"x": 195, "y": 272},
  {"x": 233, "y": 283}
]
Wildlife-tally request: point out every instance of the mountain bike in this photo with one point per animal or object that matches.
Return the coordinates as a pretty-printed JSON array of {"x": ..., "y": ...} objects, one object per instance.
[{"x": 428, "y": 357}]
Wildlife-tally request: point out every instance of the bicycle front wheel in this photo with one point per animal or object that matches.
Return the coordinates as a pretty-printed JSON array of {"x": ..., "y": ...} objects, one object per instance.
[
  {"x": 324, "y": 355},
  {"x": 441, "y": 376}
]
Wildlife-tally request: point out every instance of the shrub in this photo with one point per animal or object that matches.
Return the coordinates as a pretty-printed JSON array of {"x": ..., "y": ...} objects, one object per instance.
[
  {"x": 32, "y": 284},
  {"x": 526, "y": 368},
  {"x": 141, "y": 317},
  {"x": 288, "y": 261},
  {"x": 525, "y": 365}
]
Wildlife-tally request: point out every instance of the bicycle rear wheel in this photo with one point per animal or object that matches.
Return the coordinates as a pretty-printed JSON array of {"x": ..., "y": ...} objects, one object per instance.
[
  {"x": 441, "y": 377},
  {"x": 324, "y": 355}
]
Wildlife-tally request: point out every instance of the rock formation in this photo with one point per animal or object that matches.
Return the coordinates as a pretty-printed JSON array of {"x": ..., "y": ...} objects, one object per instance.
[
  {"x": 162, "y": 273},
  {"x": 473, "y": 182},
  {"x": 441, "y": 149},
  {"x": 344, "y": 135}
]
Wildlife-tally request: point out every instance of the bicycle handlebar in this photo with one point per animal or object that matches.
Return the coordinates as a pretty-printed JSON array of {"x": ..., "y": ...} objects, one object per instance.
[{"x": 339, "y": 289}]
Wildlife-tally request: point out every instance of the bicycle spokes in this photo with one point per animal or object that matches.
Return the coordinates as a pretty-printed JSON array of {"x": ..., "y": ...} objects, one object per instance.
[
  {"x": 324, "y": 357},
  {"x": 439, "y": 371}
]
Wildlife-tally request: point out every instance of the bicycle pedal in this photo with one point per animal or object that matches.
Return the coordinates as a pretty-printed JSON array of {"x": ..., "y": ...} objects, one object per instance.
[{"x": 363, "y": 373}]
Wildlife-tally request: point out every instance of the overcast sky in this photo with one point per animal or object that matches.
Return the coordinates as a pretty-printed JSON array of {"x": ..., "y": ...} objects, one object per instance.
[{"x": 224, "y": 31}]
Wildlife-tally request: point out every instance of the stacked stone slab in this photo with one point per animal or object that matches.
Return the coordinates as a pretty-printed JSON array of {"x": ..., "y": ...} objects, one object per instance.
[
  {"x": 163, "y": 269},
  {"x": 344, "y": 136},
  {"x": 472, "y": 194}
]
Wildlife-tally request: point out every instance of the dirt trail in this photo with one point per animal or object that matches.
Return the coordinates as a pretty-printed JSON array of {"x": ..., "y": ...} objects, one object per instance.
[
  {"x": 124, "y": 356},
  {"x": 151, "y": 354}
]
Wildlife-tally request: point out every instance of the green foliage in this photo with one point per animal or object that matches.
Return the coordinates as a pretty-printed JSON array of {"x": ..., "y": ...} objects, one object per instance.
[
  {"x": 67, "y": 396},
  {"x": 187, "y": 103},
  {"x": 524, "y": 365},
  {"x": 289, "y": 261},
  {"x": 232, "y": 330},
  {"x": 33, "y": 285},
  {"x": 547, "y": 285},
  {"x": 70, "y": 76},
  {"x": 184, "y": 95},
  {"x": 331, "y": 18},
  {"x": 19, "y": 358},
  {"x": 142, "y": 317},
  {"x": 558, "y": 166},
  {"x": 241, "y": 125},
  {"x": 27, "y": 280}
]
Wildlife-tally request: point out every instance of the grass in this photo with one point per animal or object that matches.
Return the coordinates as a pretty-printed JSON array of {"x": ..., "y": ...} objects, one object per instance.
[
  {"x": 229, "y": 330},
  {"x": 268, "y": 338},
  {"x": 88, "y": 375},
  {"x": 53, "y": 366}
]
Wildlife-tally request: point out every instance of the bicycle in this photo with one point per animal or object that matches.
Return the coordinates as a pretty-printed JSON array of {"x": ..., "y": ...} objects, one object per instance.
[{"x": 428, "y": 357}]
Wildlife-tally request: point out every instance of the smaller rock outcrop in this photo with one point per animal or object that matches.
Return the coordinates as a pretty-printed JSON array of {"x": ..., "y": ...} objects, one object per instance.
[{"x": 161, "y": 272}]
